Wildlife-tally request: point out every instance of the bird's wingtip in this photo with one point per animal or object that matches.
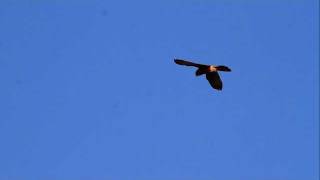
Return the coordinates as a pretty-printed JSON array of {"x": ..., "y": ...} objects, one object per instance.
[{"x": 178, "y": 61}]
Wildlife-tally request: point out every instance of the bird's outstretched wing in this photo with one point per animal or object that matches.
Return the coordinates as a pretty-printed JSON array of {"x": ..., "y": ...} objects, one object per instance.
[
  {"x": 214, "y": 80},
  {"x": 188, "y": 63}
]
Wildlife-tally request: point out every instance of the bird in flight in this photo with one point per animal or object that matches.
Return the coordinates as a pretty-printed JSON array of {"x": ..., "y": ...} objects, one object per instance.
[{"x": 211, "y": 72}]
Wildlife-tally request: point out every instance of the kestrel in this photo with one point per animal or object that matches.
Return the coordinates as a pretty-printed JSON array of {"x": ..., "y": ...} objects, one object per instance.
[{"x": 211, "y": 72}]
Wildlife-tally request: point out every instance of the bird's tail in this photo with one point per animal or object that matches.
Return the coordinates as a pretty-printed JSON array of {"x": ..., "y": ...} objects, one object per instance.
[{"x": 223, "y": 68}]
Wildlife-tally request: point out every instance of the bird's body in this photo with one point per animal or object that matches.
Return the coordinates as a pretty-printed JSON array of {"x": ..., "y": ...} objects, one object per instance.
[
  {"x": 211, "y": 72},
  {"x": 212, "y": 68}
]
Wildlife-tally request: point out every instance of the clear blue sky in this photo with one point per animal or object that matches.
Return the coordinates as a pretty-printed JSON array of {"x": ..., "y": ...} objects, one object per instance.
[{"x": 89, "y": 90}]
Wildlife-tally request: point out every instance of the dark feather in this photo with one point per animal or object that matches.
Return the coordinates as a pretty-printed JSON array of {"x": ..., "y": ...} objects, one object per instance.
[
  {"x": 188, "y": 63},
  {"x": 223, "y": 68},
  {"x": 214, "y": 80},
  {"x": 201, "y": 71}
]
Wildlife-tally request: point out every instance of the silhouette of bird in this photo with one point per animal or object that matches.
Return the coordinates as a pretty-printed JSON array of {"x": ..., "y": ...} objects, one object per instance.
[{"x": 211, "y": 72}]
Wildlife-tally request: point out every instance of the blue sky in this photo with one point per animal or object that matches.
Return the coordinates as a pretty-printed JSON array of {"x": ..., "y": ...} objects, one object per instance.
[{"x": 90, "y": 91}]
